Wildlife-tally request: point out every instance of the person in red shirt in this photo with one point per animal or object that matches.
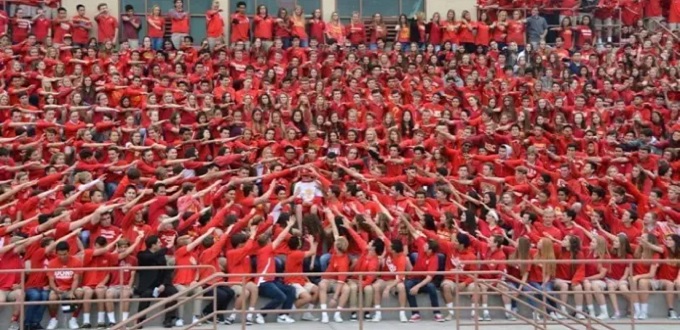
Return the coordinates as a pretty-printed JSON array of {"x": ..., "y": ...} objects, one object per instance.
[
  {"x": 243, "y": 245},
  {"x": 240, "y": 25},
  {"x": 41, "y": 25},
  {"x": 179, "y": 20},
  {"x": 156, "y": 28},
  {"x": 107, "y": 25},
  {"x": 10, "y": 258},
  {"x": 644, "y": 274},
  {"x": 64, "y": 282},
  {"x": 279, "y": 293},
  {"x": 95, "y": 282},
  {"x": 81, "y": 27},
  {"x": 185, "y": 276},
  {"x": 367, "y": 262},
  {"x": 339, "y": 262},
  {"x": 306, "y": 292},
  {"x": 264, "y": 27},
  {"x": 121, "y": 287},
  {"x": 214, "y": 24},
  {"x": 426, "y": 261}
]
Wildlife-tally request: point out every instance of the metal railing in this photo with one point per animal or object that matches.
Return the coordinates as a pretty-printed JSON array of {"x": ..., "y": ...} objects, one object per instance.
[{"x": 542, "y": 305}]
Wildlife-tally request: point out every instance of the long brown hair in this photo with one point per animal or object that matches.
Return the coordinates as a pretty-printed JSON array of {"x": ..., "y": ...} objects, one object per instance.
[{"x": 546, "y": 252}]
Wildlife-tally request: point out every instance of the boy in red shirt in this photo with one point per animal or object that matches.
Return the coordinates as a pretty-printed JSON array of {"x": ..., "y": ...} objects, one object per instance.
[
  {"x": 107, "y": 25},
  {"x": 339, "y": 262},
  {"x": 64, "y": 283}
]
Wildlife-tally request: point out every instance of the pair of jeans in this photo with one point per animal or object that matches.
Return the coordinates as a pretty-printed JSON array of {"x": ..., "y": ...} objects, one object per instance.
[
  {"x": 280, "y": 294},
  {"x": 157, "y": 43},
  {"x": 538, "y": 290},
  {"x": 429, "y": 288},
  {"x": 34, "y": 313},
  {"x": 224, "y": 295}
]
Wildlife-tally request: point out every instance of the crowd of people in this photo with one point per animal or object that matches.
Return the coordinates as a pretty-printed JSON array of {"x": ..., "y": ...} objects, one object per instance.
[{"x": 298, "y": 145}]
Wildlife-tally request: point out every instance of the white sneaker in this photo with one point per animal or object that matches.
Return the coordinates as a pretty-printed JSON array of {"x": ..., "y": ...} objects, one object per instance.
[
  {"x": 52, "y": 324},
  {"x": 324, "y": 317},
  {"x": 402, "y": 317},
  {"x": 580, "y": 316},
  {"x": 284, "y": 319},
  {"x": 259, "y": 319},
  {"x": 376, "y": 318},
  {"x": 615, "y": 316},
  {"x": 486, "y": 316},
  {"x": 602, "y": 316},
  {"x": 337, "y": 318},
  {"x": 307, "y": 316},
  {"x": 536, "y": 316},
  {"x": 672, "y": 315},
  {"x": 73, "y": 323},
  {"x": 179, "y": 323},
  {"x": 637, "y": 315},
  {"x": 194, "y": 320},
  {"x": 510, "y": 317},
  {"x": 14, "y": 326},
  {"x": 642, "y": 316}
]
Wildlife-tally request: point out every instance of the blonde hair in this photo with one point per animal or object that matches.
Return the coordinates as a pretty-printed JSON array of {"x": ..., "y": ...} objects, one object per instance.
[{"x": 546, "y": 252}]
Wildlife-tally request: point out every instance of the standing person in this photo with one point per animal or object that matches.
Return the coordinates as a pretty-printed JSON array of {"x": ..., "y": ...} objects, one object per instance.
[
  {"x": 4, "y": 22},
  {"x": 282, "y": 28},
  {"x": 156, "y": 24},
  {"x": 155, "y": 282},
  {"x": 299, "y": 26},
  {"x": 215, "y": 24},
  {"x": 107, "y": 25},
  {"x": 378, "y": 31},
  {"x": 356, "y": 31},
  {"x": 41, "y": 25},
  {"x": 131, "y": 27},
  {"x": 317, "y": 27},
  {"x": 20, "y": 26},
  {"x": 240, "y": 25},
  {"x": 264, "y": 27},
  {"x": 537, "y": 28},
  {"x": 81, "y": 27},
  {"x": 179, "y": 27}
]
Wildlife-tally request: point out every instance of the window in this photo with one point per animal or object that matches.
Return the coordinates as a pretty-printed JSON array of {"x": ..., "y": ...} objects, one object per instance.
[{"x": 388, "y": 8}]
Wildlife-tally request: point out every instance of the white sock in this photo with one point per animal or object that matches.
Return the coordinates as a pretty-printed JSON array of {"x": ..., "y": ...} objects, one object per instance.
[
  {"x": 101, "y": 317},
  {"x": 591, "y": 309},
  {"x": 508, "y": 307},
  {"x": 402, "y": 313},
  {"x": 112, "y": 317},
  {"x": 450, "y": 307},
  {"x": 323, "y": 306},
  {"x": 233, "y": 314},
  {"x": 338, "y": 313},
  {"x": 564, "y": 309},
  {"x": 86, "y": 318},
  {"x": 579, "y": 308},
  {"x": 645, "y": 307},
  {"x": 636, "y": 307},
  {"x": 603, "y": 309},
  {"x": 310, "y": 306},
  {"x": 125, "y": 316},
  {"x": 485, "y": 306},
  {"x": 377, "y": 312}
]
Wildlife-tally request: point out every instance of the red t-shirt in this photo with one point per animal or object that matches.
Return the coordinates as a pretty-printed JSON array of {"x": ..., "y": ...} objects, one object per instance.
[
  {"x": 240, "y": 27},
  {"x": 41, "y": 27},
  {"x": 126, "y": 264},
  {"x": 10, "y": 260},
  {"x": 154, "y": 32},
  {"x": 93, "y": 278},
  {"x": 294, "y": 263},
  {"x": 66, "y": 273},
  {"x": 106, "y": 29},
  {"x": 215, "y": 24}
]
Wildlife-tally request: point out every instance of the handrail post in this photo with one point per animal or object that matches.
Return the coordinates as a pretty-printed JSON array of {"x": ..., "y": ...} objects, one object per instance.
[
  {"x": 360, "y": 298},
  {"x": 456, "y": 298},
  {"x": 22, "y": 309},
  {"x": 122, "y": 286},
  {"x": 476, "y": 308},
  {"x": 243, "y": 304},
  {"x": 630, "y": 267}
]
